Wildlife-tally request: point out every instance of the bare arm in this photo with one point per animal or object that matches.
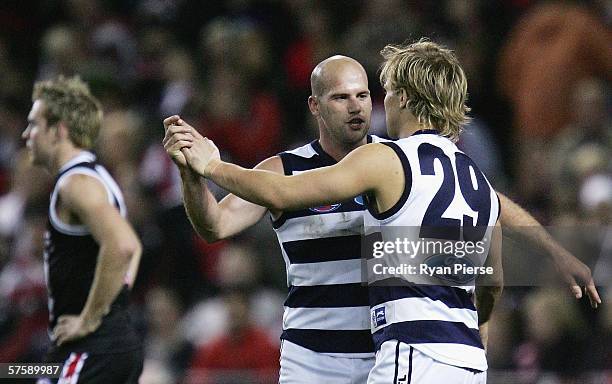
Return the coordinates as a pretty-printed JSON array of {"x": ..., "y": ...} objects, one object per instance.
[
  {"x": 363, "y": 170},
  {"x": 572, "y": 270},
  {"x": 489, "y": 288},
  {"x": 87, "y": 199},
  {"x": 212, "y": 220},
  {"x": 132, "y": 271}
]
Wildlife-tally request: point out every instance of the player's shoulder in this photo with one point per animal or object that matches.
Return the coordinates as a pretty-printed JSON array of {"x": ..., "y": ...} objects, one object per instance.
[
  {"x": 380, "y": 158},
  {"x": 378, "y": 139},
  {"x": 81, "y": 186},
  {"x": 305, "y": 151},
  {"x": 302, "y": 158},
  {"x": 273, "y": 164}
]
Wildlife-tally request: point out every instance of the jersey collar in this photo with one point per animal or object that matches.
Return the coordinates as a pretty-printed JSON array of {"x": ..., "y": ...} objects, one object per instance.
[
  {"x": 326, "y": 157},
  {"x": 426, "y": 132},
  {"x": 81, "y": 157}
]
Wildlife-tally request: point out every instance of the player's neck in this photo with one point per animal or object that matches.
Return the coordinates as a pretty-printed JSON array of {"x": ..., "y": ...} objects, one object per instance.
[
  {"x": 65, "y": 153},
  {"x": 410, "y": 127},
  {"x": 338, "y": 150}
]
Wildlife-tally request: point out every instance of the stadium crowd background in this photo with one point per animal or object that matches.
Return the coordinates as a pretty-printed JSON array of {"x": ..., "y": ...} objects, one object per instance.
[{"x": 539, "y": 80}]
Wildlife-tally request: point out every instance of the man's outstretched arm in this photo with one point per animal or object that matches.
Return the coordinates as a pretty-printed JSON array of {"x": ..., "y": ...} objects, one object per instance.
[
  {"x": 489, "y": 288},
  {"x": 212, "y": 220},
  {"x": 361, "y": 171},
  {"x": 572, "y": 270}
]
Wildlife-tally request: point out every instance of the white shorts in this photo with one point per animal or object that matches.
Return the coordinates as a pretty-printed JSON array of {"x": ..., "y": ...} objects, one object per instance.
[
  {"x": 299, "y": 365},
  {"x": 400, "y": 363}
]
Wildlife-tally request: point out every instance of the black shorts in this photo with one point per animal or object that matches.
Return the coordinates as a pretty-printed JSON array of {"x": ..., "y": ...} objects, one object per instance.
[{"x": 94, "y": 368}]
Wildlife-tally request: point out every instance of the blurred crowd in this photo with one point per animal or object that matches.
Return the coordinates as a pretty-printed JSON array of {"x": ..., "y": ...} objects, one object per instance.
[{"x": 539, "y": 77}]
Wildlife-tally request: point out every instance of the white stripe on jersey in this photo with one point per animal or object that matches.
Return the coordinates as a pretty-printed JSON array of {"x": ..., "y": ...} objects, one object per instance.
[
  {"x": 316, "y": 227},
  {"x": 325, "y": 273},
  {"x": 305, "y": 151},
  {"x": 100, "y": 173},
  {"x": 424, "y": 308},
  {"x": 346, "y": 318}
]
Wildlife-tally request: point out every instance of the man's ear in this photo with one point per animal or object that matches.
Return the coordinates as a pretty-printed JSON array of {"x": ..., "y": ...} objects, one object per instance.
[
  {"x": 61, "y": 130},
  {"x": 313, "y": 105},
  {"x": 403, "y": 97}
]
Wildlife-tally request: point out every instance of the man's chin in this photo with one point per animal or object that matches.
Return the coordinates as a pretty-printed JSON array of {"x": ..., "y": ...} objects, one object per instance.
[{"x": 357, "y": 134}]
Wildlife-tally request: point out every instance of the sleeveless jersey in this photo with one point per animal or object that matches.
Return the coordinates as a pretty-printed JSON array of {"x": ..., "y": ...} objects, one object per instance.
[
  {"x": 70, "y": 258},
  {"x": 445, "y": 195},
  {"x": 327, "y": 308}
]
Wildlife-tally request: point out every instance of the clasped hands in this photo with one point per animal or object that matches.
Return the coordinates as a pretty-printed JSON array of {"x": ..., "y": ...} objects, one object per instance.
[{"x": 188, "y": 148}]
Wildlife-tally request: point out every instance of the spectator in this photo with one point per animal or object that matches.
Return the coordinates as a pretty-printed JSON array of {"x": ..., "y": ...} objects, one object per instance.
[
  {"x": 244, "y": 354},
  {"x": 552, "y": 47}
]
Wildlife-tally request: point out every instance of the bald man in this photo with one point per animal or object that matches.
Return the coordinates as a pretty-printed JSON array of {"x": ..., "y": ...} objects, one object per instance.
[{"x": 326, "y": 326}]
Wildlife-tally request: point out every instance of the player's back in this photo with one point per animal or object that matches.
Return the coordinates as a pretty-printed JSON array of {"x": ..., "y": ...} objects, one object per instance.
[{"x": 446, "y": 200}]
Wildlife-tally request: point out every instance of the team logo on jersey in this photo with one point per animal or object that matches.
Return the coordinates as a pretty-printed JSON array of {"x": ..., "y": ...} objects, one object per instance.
[
  {"x": 359, "y": 200},
  {"x": 378, "y": 317},
  {"x": 325, "y": 208}
]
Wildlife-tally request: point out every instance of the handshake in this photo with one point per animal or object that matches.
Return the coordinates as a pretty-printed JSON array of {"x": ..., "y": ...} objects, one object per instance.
[{"x": 188, "y": 148}]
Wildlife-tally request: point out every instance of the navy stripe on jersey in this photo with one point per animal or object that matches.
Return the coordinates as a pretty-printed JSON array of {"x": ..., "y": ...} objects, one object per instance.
[
  {"x": 426, "y": 132},
  {"x": 293, "y": 162},
  {"x": 407, "y": 185},
  {"x": 325, "y": 341},
  {"x": 498, "y": 205},
  {"x": 410, "y": 365},
  {"x": 325, "y": 249},
  {"x": 428, "y": 331},
  {"x": 327, "y": 296},
  {"x": 452, "y": 297}
]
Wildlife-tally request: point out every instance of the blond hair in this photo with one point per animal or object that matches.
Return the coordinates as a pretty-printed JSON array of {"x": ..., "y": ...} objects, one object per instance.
[
  {"x": 434, "y": 81},
  {"x": 69, "y": 100}
]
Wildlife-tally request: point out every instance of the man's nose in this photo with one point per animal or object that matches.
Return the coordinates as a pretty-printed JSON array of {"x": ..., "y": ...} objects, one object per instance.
[
  {"x": 354, "y": 105},
  {"x": 25, "y": 133}
]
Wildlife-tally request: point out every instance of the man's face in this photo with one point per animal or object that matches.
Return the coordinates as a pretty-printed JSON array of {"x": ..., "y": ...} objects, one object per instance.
[
  {"x": 345, "y": 108},
  {"x": 392, "y": 108},
  {"x": 39, "y": 137}
]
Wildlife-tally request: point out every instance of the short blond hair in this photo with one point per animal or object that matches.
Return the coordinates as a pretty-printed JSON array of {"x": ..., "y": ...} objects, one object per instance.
[
  {"x": 434, "y": 82},
  {"x": 69, "y": 100}
]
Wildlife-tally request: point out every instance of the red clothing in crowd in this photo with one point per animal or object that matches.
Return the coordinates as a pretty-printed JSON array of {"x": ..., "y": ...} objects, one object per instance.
[
  {"x": 550, "y": 49},
  {"x": 252, "y": 351}
]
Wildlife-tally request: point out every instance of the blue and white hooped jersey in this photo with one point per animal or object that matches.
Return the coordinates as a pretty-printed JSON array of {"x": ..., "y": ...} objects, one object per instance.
[
  {"x": 445, "y": 192},
  {"x": 327, "y": 307}
]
